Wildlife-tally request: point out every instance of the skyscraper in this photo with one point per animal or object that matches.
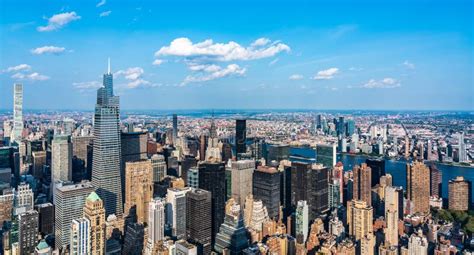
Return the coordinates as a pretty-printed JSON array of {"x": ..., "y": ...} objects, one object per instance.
[
  {"x": 212, "y": 178},
  {"x": 61, "y": 158},
  {"x": 159, "y": 167},
  {"x": 199, "y": 220},
  {"x": 418, "y": 244},
  {"x": 418, "y": 187},
  {"x": 359, "y": 219},
  {"x": 80, "y": 237},
  {"x": 106, "y": 156},
  {"x": 302, "y": 221},
  {"x": 241, "y": 179},
  {"x": 326, "y": 154},
  {"x": 460, "y": 191},
  {"x": 156, "y": 220},
  {"x": 266, "y": 187},
  {"x": 138, "y": 188},
  {"x": 175, "y": 129},
  {"x": 232, "y": 234},
  {"x": 176, "y": 211},
  {"x": 17, "y": 113},
  {"x": 377, "y": 165},
  {"x": 435, "y": 181},
  {"x": 94, "y": 212},
  {"x": 362, "y": 183},
  {"x": 240, "y": 136},
  {"x": 27, "y": 231}
]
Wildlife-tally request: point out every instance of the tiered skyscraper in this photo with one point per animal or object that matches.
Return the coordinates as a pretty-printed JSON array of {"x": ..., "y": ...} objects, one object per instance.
[{"x": 106, "y": 154}]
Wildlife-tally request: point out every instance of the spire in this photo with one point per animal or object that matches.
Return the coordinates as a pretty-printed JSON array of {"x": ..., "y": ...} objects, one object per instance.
[{"x": 108, "y": 68}]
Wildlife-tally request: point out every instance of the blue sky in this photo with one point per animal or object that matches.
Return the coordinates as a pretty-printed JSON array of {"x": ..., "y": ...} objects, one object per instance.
[{"x": 240, "y": 54}]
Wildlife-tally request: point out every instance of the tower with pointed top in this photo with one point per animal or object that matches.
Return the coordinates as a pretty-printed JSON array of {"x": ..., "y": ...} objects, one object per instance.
[{"x": 106, "y": 156}]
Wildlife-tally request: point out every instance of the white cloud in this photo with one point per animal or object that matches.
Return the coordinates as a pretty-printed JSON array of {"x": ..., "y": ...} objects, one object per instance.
[
  {"x": 386, "y": 83},
  {"x": 352, "y": 68},
  {"x": 213, "y": 72},
  {"x": 209, "y": 51},
  {"x": 296, "y": 77},
  {"x": 326, "y": 74},
  {"x": 59, "y": 20},
  {"x": 158, "y": 62},
  {"x": 20, "y": 67},
  {"x": 88, "y": 85},
  {"x": 48, "y": 49},
  {"x": 205, "y": 68},
  {"x": 105, "y": 14},
  {"x": 408, "y": 65},
  {"x": 134, "y": 76},
  {"x": 32, "y": 76},
  {"x": 102, "y": 2}
]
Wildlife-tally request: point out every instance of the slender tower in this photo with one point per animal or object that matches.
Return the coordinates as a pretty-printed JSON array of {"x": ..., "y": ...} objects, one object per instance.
[
  {"x": 106, "y": 156},
  {"x": 17, "y": 112}
]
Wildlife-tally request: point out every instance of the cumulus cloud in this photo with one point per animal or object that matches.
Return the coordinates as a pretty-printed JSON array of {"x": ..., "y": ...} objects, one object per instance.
[
  {"x": 134, "y": 76},
  {"x": 99, "y": 4},
  {"x": 408, "y": 64},
  {"x": 209, "y": 51},
  {"x": 20, "y": 67},
  {"x": 158, "y": 62},
  {"x": 58, "y": 21},
  {"x": 32, "y": 76},
  {"x": 105, "y": 14},
  {"x": 386, "y": 83},
  {"x": 212, "y": 72},
  {"x": 296, "y": 77},
  {"x": 326, "y": 74},
  {"x": 48, "y": 49}
]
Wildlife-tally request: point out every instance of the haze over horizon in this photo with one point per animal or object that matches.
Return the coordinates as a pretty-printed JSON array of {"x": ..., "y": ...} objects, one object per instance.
[{"x": 399, "y": 55}]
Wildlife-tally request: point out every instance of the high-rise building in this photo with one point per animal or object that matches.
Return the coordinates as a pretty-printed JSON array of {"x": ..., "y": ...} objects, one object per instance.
[
  {"x": 61, "y": 158},
  {"x": 462, "y": 148},
  {"x": 27, "y": 231},
  {"x": 359, "y": 219},
  {"x": 175, "y": 129},
  {"x": 232, "y": 236},
  {"x": 367, "y": 244},
  {"x": 435, "y": 181},
  {"x": 134, "y": 239},
  {"x": 377, "y": 165},
  {"x": 193, "y": 177},
  {"x": 302, "y": 221},
  {"x": 6, "y": 200},
  {"x": 418, "y": 187},
  {"x": 94, "y": 212},
  {"x": 212, "y": 178},
  {"x": 241, "y": 179},
  {"x": 213, "y": 151},
  {"x": 156, "y": 220},
  {"x": 176, "y": 211},
  {"x": 17, "y": 113},
  {"x": 80, "y": 237},
  {"x": 240, "y": 136},
  {"x": 362, "y": 183},
  {"x": 255, "y": 215},
  {"x": 310, "y": 183},
  {"x": 418, "y": 244},
  {"x": 106, "y": 157},
  {"x": 326, "y": 154},
  {"x": 198, "y": 219},
  {"x": 70, "y": 201},
  {"x": 266, "y": 187},
  {"x": 158, "y": 164},
  {"x": 460, "y": 194},
  {"x": 138, "y": 188},
  {"x": 39, "y": 161},
  {"x": 46, "y": 218},
  {"x": 23, "y": 199}
]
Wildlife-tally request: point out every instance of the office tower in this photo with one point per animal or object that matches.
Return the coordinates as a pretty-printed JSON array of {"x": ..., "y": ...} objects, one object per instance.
[
  {"x": 158, "y": 164},
  {"x": 240, "y": 136},
  {"x": 418, "y": 187},
  {"x": 138, "y": 188},
  {"x": 46, "y": 218},
  {"x": 435, "y": 181},
  {"x": 241, "y": 179},
  {"x": 6, "y": 200},
  {"x": 133, "y": 146},
  {"x": 418, "y": 244},
  {"x": 27, "y": 231},
  {"x": 310, "y": 183},
  {"x": 61, "y": 158},
  {"x": 391, "y": 231},
  {"x": 70, "y": 201},
  {"x": 462, "y": 148},
  {"x": 302, "y": 221},
  {"x": 266, "y": 187},
  {"x": 232, "y": 235},
  {"x": 106, "y": 155},
  {"x": 17, "y": 113},
  {"x": 350, "y": 127},
  {"x": 460, "y": 191},
  {"x": 80, "y": 151},
  {"x": 199, "y": 220},
  {"x": 176, "y": 211},
  {"x": 134, "y": 239},
  {"x": 23, "y": 199},
  {"x": 362, "y": 183},
  {"x": 394, "y": 200},
  {"x": 94, "y": 212},
  {"x": 326, "y": 154},
  {"x": 80, "y": 242},
  {"x": 367, "y": 244},
  {"x": 340, "y": 128},
  {"x": 175, "y": 129},
  {"x": 39, "y": 160},
  {"x": 193, "y": 177},
  {"x": 318, "y": 121},
  {"x": 359, "y": 219},
  {"x": 377, "y": 165},
  {"x": 156, "y": 220},
  {"x": 334, "y": 193},
  {"x": 202, "y": 147},
  {"x": 212, "y": 178}
]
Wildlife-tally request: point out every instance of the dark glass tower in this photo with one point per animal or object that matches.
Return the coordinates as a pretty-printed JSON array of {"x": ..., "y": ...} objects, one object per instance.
[
  {"x": 240, "y": 136},
  {"x": 378, "y": 169},
  {"x": 175, "y": 128},
  {"x": 198, "y": 225},
  {"x": 106, "y": 156},
  {"x": 266, "y": 187}
]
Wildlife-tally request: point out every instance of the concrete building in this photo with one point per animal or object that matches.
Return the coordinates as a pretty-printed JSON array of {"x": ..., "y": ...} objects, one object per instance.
[
  {"x": 359, "y": 219},
  {"x": 241, "y": 179},
  {"x": 302, "y": 221},
  {"x": 266, "y": 187},
  {"x": 176, "y": 211},
  {"x": 232, "y": 236},
  {"x": 61, "y": 158},
  {"x": 80, "y": 237},
  {"x": 138, "y": 188},
  {"x": 418, "y": 187},
  {"x": 362, "y": 183},
  {"x": 417, "y": 244},
  {"x": 27, "y": 231},
  {"x": 460, "y": 194}
]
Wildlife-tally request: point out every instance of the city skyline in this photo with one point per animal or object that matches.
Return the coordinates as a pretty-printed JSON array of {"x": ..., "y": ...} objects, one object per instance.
[{"x": 310, "y": 55}]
